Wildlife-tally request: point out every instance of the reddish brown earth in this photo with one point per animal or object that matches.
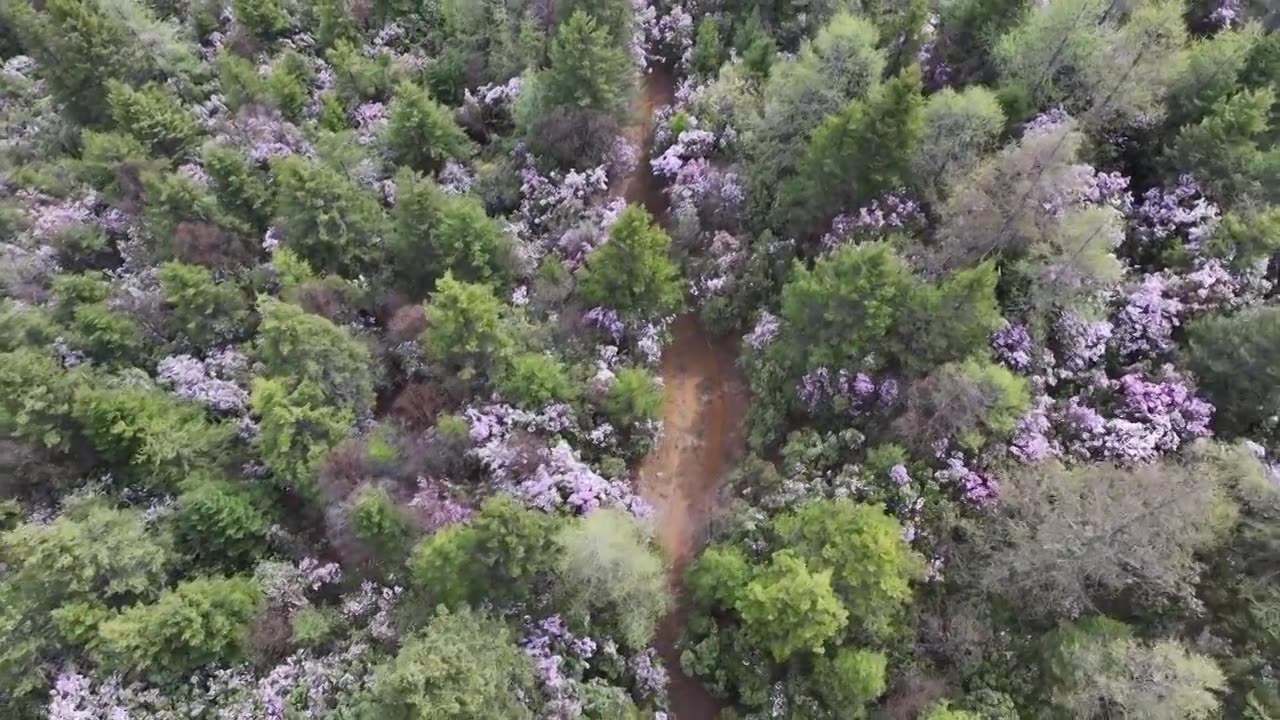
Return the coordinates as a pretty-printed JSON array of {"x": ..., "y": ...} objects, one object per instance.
[{"x": 703, "y": 410}]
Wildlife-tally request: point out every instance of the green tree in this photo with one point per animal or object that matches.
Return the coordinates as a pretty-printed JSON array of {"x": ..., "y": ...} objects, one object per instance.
[
  {"x": 303, "y": 348},
  {"x": 610, "y": 576},
  {"x": 1215, "y": 65},
  {"x": 718, "y": 575},
  {"x": 948, "y": 321},
  {"x": 147, "y": 435},
  {"x": 970, "y": 403},
  {"x": 1236, "y": 361},
  {"x": 944, "y": 711},
  {"x": 506, "y": 554},
  {"x": 861, "y": 152},
  {"x": 197, "y": 623},
  {"x": 465, "y": 327},
  {"x": 788, "y": 607},
  {"x": 461, "y": 666},
  {"x": 92, "y": 553},
  {"x": 842, "y": 310},
  {"x": 1098, "y": 670},
  {"x": 421, "y": 132},
  {"x": 849, "y": 680},
  {"x": 634, "y": 398},
  {"x": 433, "y": 233},
  {"x": 382, "y": 525},
  {"x": 958, "y": 129},
  {"x": 220, "y": 524},
  {"x": 633, "y": 272},
  {"x": 81, "y": 46},
  {"x": 298, "y": 429},
  {"x": 871, "y": 567},
  {"x": 327, "y": 218},
  {"x": 262, "y": 18},
  {"x": 589, "y": 70},
  {"x": 154, "y": 116},
  {"x": 1222, "y": 151},
  {"x": 203, "y": 312},
  {"x": 36, "y": 396},
  {"x": 532, "y": 380}
]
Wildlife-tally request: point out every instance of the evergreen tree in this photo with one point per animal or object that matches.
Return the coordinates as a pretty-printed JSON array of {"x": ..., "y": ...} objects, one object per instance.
[
  {"x": 633, "y": 272},
  {"x": 421, "y": 132},
  {"x": 589, "y": 69}
]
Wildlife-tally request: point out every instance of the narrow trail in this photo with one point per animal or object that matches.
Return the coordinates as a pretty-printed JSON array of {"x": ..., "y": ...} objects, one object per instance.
[{"x": 703, "y": 410}]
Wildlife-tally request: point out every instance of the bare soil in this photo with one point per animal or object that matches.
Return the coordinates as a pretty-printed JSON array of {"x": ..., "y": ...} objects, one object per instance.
[{"x": 705, "y": 403}]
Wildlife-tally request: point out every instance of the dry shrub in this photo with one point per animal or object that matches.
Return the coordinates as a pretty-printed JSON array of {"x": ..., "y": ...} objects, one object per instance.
[
  {"x": 408, "y": 323},
  {"x": 204, "y": 244},
  {"x": 912, "y": 695},
  {"x": 419, "y": 404},
  {"x": 269, "y": 636},
  {"x": 345, "y": 469}
]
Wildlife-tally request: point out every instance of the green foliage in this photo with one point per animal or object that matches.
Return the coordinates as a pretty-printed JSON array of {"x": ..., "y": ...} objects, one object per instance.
[
  {"x": 1222, "y": 151},
  {"x": 1098, "y": 670},
  {"x": 789, "y": 608},
  {"x": 1246, "y": 235},
  {"x": 839, "y": 312},
  {"x": 633, "y": 272},
  {"x": 465, "y": 327},
  {"x": 327, "y": 217},
  {"x": 308, "y": 349},
  {"x": 197, "y": 623},
  {"x": 262, "y": 18},
  {"x": 708, "y": 47},
  {"x": 433, "y": 233},
  {"x": 104, "y": 334},
  {"x": 461, "y": 666},
  {"x": 1077, "y": 54},
  {"x": 859, "y": 153},
  {"x": 298, "y": 429},
  {"x": 959, "y": 128},
  {"x": 861, "y": 547},
  {"x": 589, "y": 70},
  {"x": 850, "y": 679},
  {"x": 154, "y": 116},
  {"x": 1214, "y": 67},
  {"x": 506, "y": 555},
  {"x": 382, "y": 524},
  {"x": 242, "y": 189},
  {"x": 421, "y": 132},
  {"x": 203, "y": 312},
  {"x": 36, "y": 398},
  {"x": 635, "y": 397},
  {"x": 948, "y": 321},
  {"x": 718, "y": 575},
  {"x": 532, "y": 380},
  {"x": 59, "y": 574},
  {"x": 109, "y": 159},
  {"x": 1236, "y": 361},
  {"x": 219, "y": 524},
  {"x": 312, "y": 627},
  {"x": 972, "y": 403},
  {"x": 239, "y": 79},
  {"x": 610, "y": 577},
  {"x": 85, "y": 46},
  {"x": 944, "y": 711},
  {"x": 358, "y": 78},
  {"x": 146, "y": 434},
  {"x": 288, "y": 84}
]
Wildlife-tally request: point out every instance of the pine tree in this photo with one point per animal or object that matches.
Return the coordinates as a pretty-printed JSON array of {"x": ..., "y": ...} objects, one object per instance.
[{"x": 589, "y": 70}]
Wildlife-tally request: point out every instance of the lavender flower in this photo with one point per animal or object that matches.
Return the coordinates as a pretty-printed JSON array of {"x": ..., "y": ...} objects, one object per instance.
[
  {"x": 765, "y": 331},
  {"x": 1012, "y": 345}
]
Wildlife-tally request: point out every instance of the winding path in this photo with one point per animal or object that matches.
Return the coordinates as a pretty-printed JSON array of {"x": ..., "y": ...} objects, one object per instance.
[{"x": 703, "y": 410}]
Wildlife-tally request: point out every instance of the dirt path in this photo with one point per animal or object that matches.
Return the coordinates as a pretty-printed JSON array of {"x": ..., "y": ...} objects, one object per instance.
[{"x": 706, "y": 401}]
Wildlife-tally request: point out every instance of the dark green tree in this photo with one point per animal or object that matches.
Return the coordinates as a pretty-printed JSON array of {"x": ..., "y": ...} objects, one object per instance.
[
  {"x": 326, "y": 217},
  {"x": 1236, "y": 361},
  {"x": 633, "y": 272},
  {"x": 421, "y": 132},
  {"x": 304, "y": 348},
  {"x": 589, "y": 69}
]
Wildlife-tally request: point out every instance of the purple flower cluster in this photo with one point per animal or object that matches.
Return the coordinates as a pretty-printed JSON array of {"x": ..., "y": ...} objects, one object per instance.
[
  {"x": 890, "y": 212},
  {"x": 264, "y": 134},
  {"x": 1109, "y": 188},
  {"x": 1182, "y": 212},
  {"x": 820, "y": 390},
  {"x": 1012, "y": 346},
  {"x": 1081, "y": 345},
  {"x": 1145, "y": 323},
  {"x": 559, "y": 659},
  {"x": 434, "y": 506},
  {"x": 607, "y": 321},
  {"x": 374, "y": 607},
  {"x": 974, "y": 487},
  {"x": 936, "y": 72},
  {"x": 650, "y": 676},
  {"x": 207, "y": 382},
  {"x": 1046, "y": 121},
  {"x": 370, "y": 119},
  {"x": 562, "y": 481},
  {"x": 765, "y": 331},
  {"x": 1228, "y": 13},
  {"x": 666, "y": 37}
]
